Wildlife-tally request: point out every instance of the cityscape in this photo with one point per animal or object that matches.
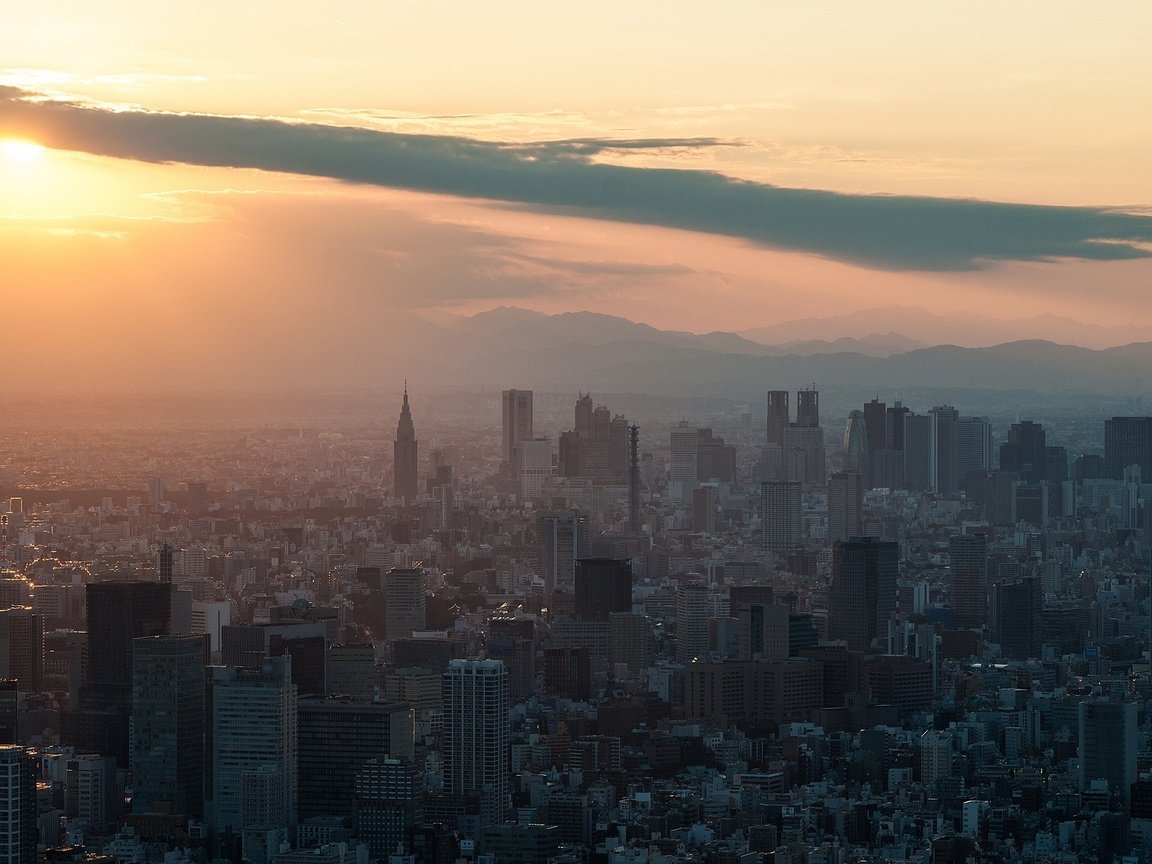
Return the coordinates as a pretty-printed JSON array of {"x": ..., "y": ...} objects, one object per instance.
[
  {"x": 901, "y": 634},
  {"x": 613, "y": 433}
]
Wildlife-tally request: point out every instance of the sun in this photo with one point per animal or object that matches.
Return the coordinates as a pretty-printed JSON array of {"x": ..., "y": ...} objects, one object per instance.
[{"x": 21, "y": 151}]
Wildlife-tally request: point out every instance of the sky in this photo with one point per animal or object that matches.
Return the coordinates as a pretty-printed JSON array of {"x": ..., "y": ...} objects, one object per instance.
[{"x": 187, "y": 189}]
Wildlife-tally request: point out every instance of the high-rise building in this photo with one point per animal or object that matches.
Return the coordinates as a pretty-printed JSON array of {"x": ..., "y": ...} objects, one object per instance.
[
  {"x": 563, "y": 538},
  {"x": 336, "y": 737},
  {"x": 1108, "y": 745},
  {"x": 944, "y": 465},
  {"x": 404, "y": 455},
  {"x": 781, "y": 516},
  {"x": 968, "y": 558},
  {"x": 168, "y": 723},
  {"x": 513, "y": 642},
  {"x": 533, "y": 466},
  {"x": 351, "y": 670},
  {"x": 1019, "y": 604},
  {"x": 863, "y": 591},
  {"x": 778, "y": 416},
  {"x": 845, "y": 506},
  {"x": 918, "y": 451},
  {"x": 808, "y": 408},
  {"x": 516, "y": 423},
  {"x": 1128, "y": 441},
  {"x": 9, "y": 711},
  {"x": 22, "y": 647},
  {"x": 603, "y": 586},
  {"x": 18, "y": 831},
  {"x": 1025, "y": 452},
  {"x": 764, "y": 626},
  {"x": 197, "y": 498},
  {"x": 254, "y": 746},
  {"x": 118, "y": 613},
  {"x": 477, "y": 734},
  {"x": 389, "y": 804},
  {"x": 973, "y": 446},
  {"x": 682, "y": 467},
  {"x": 693, "y": 609},
  {"x": 857, "y": 444},
  {"x": 405, "y": 600}
]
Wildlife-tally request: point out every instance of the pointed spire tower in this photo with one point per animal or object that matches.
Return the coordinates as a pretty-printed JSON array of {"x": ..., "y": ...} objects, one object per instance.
[{"x": 404, "y": 452}]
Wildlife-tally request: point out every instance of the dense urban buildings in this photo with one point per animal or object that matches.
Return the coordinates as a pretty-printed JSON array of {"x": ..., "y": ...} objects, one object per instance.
[{"x": 692, "y": 638}]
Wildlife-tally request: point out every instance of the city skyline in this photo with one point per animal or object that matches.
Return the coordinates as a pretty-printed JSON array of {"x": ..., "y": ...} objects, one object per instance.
[{"x": 783, "y": 163}]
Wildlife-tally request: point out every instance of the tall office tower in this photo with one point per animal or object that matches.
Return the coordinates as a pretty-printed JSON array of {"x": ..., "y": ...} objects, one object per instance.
[
  {"x": 597, "y": 449},
  {"x": 568, "y": 673},
  {"x": 973, "y": 446},
  {"x": 336, "y": 737},
  {"x": 9, "y": 711},
  {"x": 477, "y": 738},
  {"x": 351, "y": 670},
  {"x": 781, "y": 517},
  {"x": 715, "y": 460},
  {"x": 1055, "y": 464},
  {"x": 876, "y": 424},
  {"x": 513, "y": 642},
  {"x": 634, "y": 480},
  {"x": 1019, "y": 603},
  {"x": 583, "y": 415},
  {"x": 968, "y": 557},
  {"x": 778, "y": 416},
  {"x": 857, "y": 447},
  {"x": 808, "y": 408},
  {"x": 404, "y": 455},
  {"x": 118, "y": 613},
  {"x": 254, "y": 744},
  {"x": 157, "y": 493},
  {"x": 693, "y": 609},
  {"x": 1025, "y": 452},
  {"x": 803, "y": 457},
  {"x": 563, "y": 537},
  {"x": 533, "y": 466},
  {"x": 164, "y": 563},
  {"x": 845, "y": 506},
  {"x": 944, "y": 465},
  {"x": 1128, "y": 441},
  {"x": 630, "y": 641},
  {"x": 389, "y": 804},
  {"x": 22, "y": 647},
  {"x": 405, "y": 599},
  {"x": 863, "y": 591},
  {"x": 936, "y": 749},
  {"x": 168, "y": 717},
  {"x": 682, "y": 467},
  {"x": 918, "y": 452},
  {"x": 18, "y": 831},
  {"x": 1108, "y": 746},
  {"x": 603, "y": 586},
  {"x": 764, "y": 626},
  {"x": 516, "y": 424}
]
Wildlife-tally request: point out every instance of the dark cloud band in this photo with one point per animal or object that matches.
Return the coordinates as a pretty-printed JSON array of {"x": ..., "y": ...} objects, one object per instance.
[{"x": 885, "y": 232}]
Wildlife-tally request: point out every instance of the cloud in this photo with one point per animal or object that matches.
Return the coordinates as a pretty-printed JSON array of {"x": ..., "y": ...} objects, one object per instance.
[{"x": 571, "y": 176}]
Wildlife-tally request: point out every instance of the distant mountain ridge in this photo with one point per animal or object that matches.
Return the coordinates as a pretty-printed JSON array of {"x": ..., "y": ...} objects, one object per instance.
[{"x": 583, "y": 350}]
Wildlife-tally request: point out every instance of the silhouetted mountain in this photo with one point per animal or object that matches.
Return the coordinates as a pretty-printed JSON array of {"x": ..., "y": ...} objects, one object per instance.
[
  {"x": 928, "y": 328},
  {"x": 581, "y": 351}
]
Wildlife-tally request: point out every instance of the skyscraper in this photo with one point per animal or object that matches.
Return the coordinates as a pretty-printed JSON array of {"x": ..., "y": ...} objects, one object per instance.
[
  {"x": 118, "y": 613},
  {"x": 808, "y": 408},
  {"x": 603, "y": 586},
  {"x": 778, "y": 416},
  {"x": 477, "y": 734},
  {"x": 944, "y": 467},
  {"x": 863, "y": 591},
  {"x": 1108, "y": 745},
  {"x": 693, "y": 609},
  {"x": 405, "y": 601},
  {"x": 22, "y": 647},
  {"x": 1025, "y": 452},
  {"x": 781, "y": 518},
  {"x": 18, "y": 832},
  {"x": 254, "y": 743},
  {"x": 845, "y": 506},
  {"x": 1018, "y": 608},
  {"x": 404, "y": 455},
  {"x": 563, "y": 537},
  {"x": 968, "y": 557},
  {"x": 168, "y": 723},
  {"x": 682, "y": 467},
  {"x": 516, "y": 425},
  {"x": 1128, "y": 441}
]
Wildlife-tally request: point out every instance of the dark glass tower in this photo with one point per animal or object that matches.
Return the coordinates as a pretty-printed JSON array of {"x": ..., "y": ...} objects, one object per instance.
[
  {"x": 603, "y": 586},
  {"x": 404, "y": 451},
  {"x": 863, "y": 592}
]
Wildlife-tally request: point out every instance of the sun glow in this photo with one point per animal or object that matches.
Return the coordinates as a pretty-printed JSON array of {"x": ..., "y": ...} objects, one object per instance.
[{"x": 21, "y": 151}]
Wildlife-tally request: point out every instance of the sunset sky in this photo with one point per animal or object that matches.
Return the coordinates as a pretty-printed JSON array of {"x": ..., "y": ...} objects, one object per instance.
[{"x": 280, "y": 176}]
